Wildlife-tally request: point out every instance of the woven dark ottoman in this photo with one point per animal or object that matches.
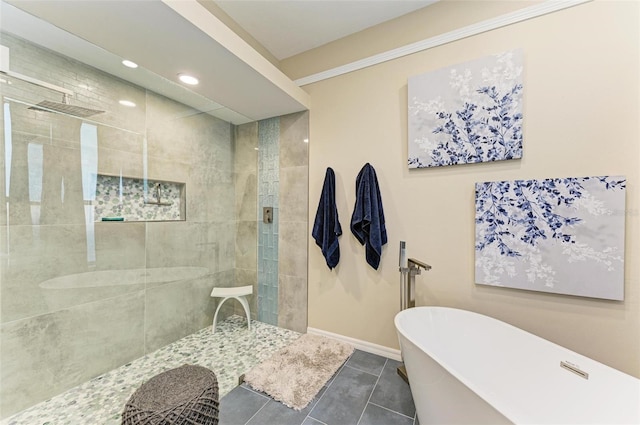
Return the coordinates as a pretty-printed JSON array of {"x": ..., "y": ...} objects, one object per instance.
[{"x": 185, "y": 395}]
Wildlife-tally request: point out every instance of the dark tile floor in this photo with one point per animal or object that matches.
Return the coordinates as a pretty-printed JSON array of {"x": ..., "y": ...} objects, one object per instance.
[{"x": 365, "y": 391}]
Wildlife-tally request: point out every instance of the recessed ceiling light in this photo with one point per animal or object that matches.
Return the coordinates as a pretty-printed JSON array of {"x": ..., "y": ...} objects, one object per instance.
[
  {"x": 128, "y": 103},
  {"x": 129, "y": 63},
  {"x": 306, "y": 140},
  {"x": 188, "y": 79}
]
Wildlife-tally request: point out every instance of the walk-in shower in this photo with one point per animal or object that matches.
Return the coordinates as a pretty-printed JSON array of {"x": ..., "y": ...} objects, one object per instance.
[
  {"x": 98, "y": 265},
  {"x": 82, "y": 296}
]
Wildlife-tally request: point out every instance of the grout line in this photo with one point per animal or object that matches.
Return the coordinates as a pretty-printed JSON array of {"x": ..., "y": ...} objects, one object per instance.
[
  {"x": 368, "y": 373},
  {"x": 391, "y": 410},
  {"x": 254, "y": 415},
  {"x": 314, "y": 420},
  {"x": 372, "y": 391},
  {"x": 306, "y": 418},
  {"x": 248, "y": 388}
]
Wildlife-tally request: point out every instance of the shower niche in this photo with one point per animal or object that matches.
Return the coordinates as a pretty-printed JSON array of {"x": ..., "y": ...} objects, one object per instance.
[{"x": 119, "y": 198}]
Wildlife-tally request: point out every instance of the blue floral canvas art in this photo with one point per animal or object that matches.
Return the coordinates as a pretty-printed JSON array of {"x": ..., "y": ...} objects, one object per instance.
[
  {"x": 466, "y": 113},
  {"x": 561, "y": 235}
]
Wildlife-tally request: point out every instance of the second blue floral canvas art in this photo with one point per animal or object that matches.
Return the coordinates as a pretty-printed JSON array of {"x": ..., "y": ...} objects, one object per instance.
[
  {"x": 467, "y": 113},
  {"x": 560, "y": 235}
]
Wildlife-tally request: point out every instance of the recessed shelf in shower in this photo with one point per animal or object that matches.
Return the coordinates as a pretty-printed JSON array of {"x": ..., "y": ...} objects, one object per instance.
[{"x": 138, "y": 199}]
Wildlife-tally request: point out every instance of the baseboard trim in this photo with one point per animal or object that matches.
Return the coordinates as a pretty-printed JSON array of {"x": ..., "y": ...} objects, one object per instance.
[{"x": 369, "y": 347}]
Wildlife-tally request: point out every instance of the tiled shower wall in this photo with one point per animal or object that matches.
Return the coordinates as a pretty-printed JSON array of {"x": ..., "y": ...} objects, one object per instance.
[
  {"x": 268, "y": 194},
  {"x": 292, "y": 222},
  {"x": 246, "y": 179},
  {"x": 114, "y": 291}
]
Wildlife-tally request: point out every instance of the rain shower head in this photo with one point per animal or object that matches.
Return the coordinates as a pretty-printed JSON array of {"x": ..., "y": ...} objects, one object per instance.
[
  {"x": 46, "y": 105},
  {"x": 65, "y": 108}
]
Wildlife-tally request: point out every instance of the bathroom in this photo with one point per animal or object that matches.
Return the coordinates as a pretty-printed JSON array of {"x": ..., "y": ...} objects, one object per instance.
[{"x": 353, "y": 118}]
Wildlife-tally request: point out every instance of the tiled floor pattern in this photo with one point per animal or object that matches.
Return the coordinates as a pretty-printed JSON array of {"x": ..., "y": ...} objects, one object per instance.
[
  {"x": 366, "y": 391},
  {"x": 230, "y": 352}
]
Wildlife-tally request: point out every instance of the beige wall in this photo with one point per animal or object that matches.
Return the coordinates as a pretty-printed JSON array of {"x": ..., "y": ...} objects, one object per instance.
[{"x": 581, "y": 118}]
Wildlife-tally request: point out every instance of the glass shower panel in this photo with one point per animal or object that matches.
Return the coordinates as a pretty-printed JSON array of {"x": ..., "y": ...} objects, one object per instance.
[
  {"x": 35, "y": 156},
  {"x": 51, "y": 161},
  {"x": 103, "y": 293},
  {"x": 89, "y": 169}
]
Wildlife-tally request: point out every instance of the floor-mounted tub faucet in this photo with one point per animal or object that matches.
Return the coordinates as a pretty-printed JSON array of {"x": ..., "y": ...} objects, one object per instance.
[{"x": 409, "y": 268}]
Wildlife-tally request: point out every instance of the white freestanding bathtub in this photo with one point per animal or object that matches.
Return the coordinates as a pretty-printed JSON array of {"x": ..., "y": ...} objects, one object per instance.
[{"x": 467, "y": 368}]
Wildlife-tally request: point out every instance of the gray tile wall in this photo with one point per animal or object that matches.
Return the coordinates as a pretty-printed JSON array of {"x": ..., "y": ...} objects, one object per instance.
[
  {"x": 246, "y": 182},
  {"x": 293, "y": 221},
  {"x": 72, "y": 309},
  {"x": 292, "y": 216}
]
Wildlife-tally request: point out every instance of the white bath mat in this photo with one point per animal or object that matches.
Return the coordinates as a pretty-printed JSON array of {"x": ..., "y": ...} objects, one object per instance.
[{"x": 295, "y": 374}]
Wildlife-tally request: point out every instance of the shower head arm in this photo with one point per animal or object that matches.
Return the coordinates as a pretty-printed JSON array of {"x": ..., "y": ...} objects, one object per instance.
[{"x": 65, "y": 92}]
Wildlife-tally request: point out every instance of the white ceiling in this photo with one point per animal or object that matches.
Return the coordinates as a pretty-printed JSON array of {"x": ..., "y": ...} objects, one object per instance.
[
  {"x": 169, "y": 37},
  {"x": 289, "y": 27}
]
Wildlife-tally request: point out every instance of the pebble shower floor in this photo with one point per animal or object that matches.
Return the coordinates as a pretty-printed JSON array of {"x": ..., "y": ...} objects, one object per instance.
[{"x": 231, "y": 351}]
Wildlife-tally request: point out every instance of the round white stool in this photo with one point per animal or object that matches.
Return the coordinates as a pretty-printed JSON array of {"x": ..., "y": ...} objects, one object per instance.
[{"x": 239, "y": 293}]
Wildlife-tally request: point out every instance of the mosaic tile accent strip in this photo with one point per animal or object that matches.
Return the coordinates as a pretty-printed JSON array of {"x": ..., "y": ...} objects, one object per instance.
[
  {"x": 125, "y": 197},
  {"x": 268, "y": 194},
  {"x": 230, "y": 352}
]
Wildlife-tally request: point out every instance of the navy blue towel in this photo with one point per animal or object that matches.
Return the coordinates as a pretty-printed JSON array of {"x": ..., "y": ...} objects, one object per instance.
[
  {"x": 326, "y": 227},
  {"x": 367, "y": 221}
]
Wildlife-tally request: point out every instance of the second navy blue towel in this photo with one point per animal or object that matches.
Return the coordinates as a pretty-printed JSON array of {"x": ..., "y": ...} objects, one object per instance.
[{"x": 367, "y": 221}]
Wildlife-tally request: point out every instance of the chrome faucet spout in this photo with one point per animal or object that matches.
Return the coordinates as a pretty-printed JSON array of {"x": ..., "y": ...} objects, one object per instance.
[{"x": 417, "y": 265}]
